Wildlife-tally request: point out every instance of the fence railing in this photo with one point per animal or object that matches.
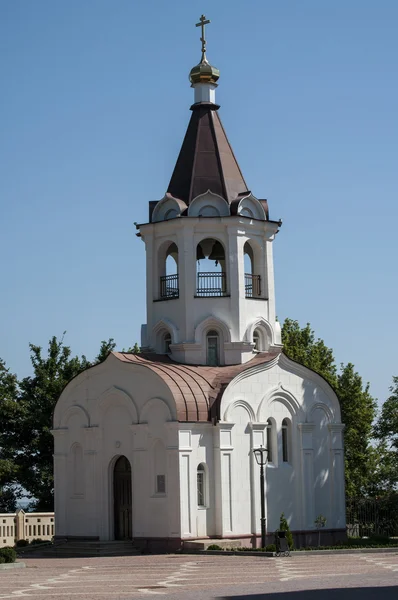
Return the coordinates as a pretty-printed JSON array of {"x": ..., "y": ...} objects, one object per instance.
[
  {"x": 169, "y": 286},
  {"x": 367, "y": 517},
  {"x": 211, "y": 284},
  {"x": 252, "y": 285}
]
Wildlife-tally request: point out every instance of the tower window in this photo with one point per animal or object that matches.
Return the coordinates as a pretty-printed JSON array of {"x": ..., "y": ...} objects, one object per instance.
[
  {"x": 252, "y": 279},
  {"x": 166, "y": 343},
  {"x": 285, "y": 440},
  {"x": 212, "y": 339},
  {"x": 211, "y": 277},
  {"x": 201, "y": 485}
]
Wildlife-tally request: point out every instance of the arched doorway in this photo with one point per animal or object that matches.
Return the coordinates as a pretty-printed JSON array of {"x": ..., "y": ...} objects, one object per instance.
[{"x": 122, "y": 503}]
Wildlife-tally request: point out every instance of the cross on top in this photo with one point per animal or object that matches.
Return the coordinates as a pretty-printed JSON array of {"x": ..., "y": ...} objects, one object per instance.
[{"x": 202, "y": 23}]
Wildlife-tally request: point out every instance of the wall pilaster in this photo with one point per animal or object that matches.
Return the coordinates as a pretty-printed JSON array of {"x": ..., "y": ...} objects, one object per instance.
[{"x": 307, "y": 474}]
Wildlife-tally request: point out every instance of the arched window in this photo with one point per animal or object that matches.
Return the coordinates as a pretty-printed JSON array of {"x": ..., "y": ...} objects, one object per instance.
[
  {"x": 166, "y": 343},
  {"x": 168, "y": 268},
  {"x": 257, "y": 340},
  {"x": 201, "y": 485},
  {"x": 210, "y": 271},
  {"x": 269, "y": 440},
  {"x": 213, "y": 351},
  {"x": 285, "y": 440},
  {"x": 252, "y": 278}
]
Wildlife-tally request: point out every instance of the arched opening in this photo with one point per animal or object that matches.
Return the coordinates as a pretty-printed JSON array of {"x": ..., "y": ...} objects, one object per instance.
[
  {"x": 252, "y": 279},
  {"x": 257, "y": 340},
  {"x": 166, "y": 343},
  {"x": 122, "y": 499},
  {"x": 211, "y": 277},
  {"x": 168, "y": 268},
  {"x": 285, "y": 440},
  {"x": 213, "y": 348},
  {"x": 201, "y": 485},
  {"x": 270, "y": 441}
]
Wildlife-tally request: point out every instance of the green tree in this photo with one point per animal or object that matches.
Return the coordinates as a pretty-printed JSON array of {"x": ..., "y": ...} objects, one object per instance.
[
  {"x": 27, "y": 438},
  {"x": 300, "y": 345},
  {"x": 8, "y": 469},
  {"x": 284, "y": 526},
  {"x": 358, "y": 408},
  {"x": 386, "y": 451}
]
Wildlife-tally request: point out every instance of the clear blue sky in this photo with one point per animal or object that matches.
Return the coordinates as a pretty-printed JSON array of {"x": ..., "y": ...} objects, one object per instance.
[{"x": 94, "y": 105}]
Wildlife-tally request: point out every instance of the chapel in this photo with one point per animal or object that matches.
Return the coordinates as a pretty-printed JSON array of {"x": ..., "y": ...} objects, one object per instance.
[{"x": 157, "y": 447}]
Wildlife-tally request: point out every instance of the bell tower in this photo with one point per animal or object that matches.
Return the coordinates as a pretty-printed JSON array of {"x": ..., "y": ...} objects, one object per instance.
[{"x": 209, "y": 264}]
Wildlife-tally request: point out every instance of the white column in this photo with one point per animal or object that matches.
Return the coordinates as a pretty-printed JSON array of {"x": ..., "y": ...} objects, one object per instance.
[
  {"x": 307, "y": 475},
  {"x": 91, "y": 479},
  {"x": 186, "y": 483},
  {"x": 223, "y": 451},
  {"x": 337, "y": 472},
  {"x": 141, "y": 479},
  {"x": 61, "y": 482},
  {"x": 173, "y": 480},
  {"x": 257, "y": 439}
]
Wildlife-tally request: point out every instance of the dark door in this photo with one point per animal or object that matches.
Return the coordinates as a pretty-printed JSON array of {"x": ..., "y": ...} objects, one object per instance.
[{"x": 122, "y": 499}]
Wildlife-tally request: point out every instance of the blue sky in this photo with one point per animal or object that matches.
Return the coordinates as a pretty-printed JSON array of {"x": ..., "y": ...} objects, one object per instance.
[{"x": 94, "y": 105}]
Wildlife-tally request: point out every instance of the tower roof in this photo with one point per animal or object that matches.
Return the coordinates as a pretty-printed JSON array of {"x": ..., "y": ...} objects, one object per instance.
[{"x": 206, "y": 160}]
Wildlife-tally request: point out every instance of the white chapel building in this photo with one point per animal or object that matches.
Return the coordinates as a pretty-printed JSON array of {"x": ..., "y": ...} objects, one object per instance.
[{"x": 158, "y": 447}]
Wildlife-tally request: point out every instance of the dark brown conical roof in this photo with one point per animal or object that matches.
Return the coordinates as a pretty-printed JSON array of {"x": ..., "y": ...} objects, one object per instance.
[{"x": 206, "y": 160}]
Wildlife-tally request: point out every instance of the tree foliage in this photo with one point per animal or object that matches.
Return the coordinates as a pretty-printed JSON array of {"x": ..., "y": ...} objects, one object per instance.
[
  {"x": 26, "y": 439},
  {"x": 358, "y": 408}
]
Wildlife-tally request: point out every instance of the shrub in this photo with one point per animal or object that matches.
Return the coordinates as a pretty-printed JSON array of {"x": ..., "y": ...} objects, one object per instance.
[
  {"x": 22, "y": 543},
  {"x": 284, "y": 526},
  {"x": 8, "y": 554},
  {"x": 38, "y": 541},
  {"x": 214, "y": 547},
  {"x": 270, "y": 548},
  {"x": 2, "y": 560}
]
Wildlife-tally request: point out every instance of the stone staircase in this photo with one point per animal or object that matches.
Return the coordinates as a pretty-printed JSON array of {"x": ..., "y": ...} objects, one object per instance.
[{"x": 76, "y": 548}]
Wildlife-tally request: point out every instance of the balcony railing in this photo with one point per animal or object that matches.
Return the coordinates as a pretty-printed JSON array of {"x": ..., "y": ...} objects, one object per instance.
[
  {"x": 211, "y": 284},
  {"x": 169, "y": 287},
  {"x": 252, "y": 285}
]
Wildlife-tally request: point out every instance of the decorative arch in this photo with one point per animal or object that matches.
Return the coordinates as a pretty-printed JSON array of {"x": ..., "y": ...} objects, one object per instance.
[
  {"x": 159, "y": 332},
  {"x": 266, "y": 332},
  {"x": 250, "y": 207},
  {"x": 168, "y": 208},
  {"x": 212, "y": 323},
  {"x": 208, "y": 205},
  {"x": 242, "y": 404},
  {"x": 122, "y": 398},
  {"x": 282, "y": 395},
  {"x": 73, "y": 410},
  {"x": 326, "y": 409},
  {"x": 144, "y": 416}
]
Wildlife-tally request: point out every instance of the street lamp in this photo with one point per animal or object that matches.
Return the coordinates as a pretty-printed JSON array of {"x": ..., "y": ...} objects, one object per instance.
[{"x": 261, "y": 459}]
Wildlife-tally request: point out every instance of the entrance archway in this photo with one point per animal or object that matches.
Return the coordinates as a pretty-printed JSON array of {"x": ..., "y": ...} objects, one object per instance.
[{"x": 122, "y": 502}]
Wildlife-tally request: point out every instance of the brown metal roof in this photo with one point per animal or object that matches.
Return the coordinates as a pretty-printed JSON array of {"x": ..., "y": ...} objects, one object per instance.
[
  {"x": 197, "y": 389},
  {"x": 206, "y": 160}
]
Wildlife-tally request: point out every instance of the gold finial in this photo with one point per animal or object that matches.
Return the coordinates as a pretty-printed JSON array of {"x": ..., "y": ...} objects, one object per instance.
[
  {"x": 203, "y": 72},
  {"x": 202, "y": 22}
]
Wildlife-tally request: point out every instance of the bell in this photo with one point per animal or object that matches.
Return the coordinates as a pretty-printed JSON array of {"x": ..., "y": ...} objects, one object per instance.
[
  {"x": 217, "y": 252},
  {"x": 199, "y": 252}
]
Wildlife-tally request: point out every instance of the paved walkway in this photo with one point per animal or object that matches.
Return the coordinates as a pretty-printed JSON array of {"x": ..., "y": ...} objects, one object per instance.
[{"x": 204, "y": 577}]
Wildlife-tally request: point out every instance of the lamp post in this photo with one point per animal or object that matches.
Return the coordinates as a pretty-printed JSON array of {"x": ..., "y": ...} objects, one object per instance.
[{"x": 261, "y": 459}]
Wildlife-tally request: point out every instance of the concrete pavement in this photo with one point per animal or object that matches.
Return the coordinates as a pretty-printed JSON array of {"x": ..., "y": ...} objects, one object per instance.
[{"x": 176, "y": 577}]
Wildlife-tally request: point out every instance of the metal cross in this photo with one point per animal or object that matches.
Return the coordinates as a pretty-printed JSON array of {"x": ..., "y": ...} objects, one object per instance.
[{"x": 202, "y": 23}]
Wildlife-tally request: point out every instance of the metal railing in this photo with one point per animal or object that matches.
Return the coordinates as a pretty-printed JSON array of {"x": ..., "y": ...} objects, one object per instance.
[
  {"x": 372, "y": 516},
  {"x": 211, "y": 284},
  {"x": 252, "y": 285},
  {"x": 169, "y": 286}
]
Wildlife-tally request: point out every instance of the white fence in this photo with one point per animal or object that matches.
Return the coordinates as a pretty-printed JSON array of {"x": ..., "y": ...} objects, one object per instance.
[{"x": 25, "y": 526}]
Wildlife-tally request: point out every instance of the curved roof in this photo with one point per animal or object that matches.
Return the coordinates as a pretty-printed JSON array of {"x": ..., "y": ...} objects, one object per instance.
[{"x": 197, "y": 389}]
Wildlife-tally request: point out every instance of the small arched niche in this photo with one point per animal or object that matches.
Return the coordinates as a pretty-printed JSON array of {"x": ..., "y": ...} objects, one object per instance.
[
  {"x": 168, "y": 208},
  {"x": 250, "y": 207},
  {"x": 252, "y": 271},
  {"x": 211, "y": 276},
  {"x": 208, "y": 205},
  {"x": 168, "y": 270}
]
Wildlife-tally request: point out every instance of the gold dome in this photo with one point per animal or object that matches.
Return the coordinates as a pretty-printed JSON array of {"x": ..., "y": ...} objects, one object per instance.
[{"x": 204, "y": 72}]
